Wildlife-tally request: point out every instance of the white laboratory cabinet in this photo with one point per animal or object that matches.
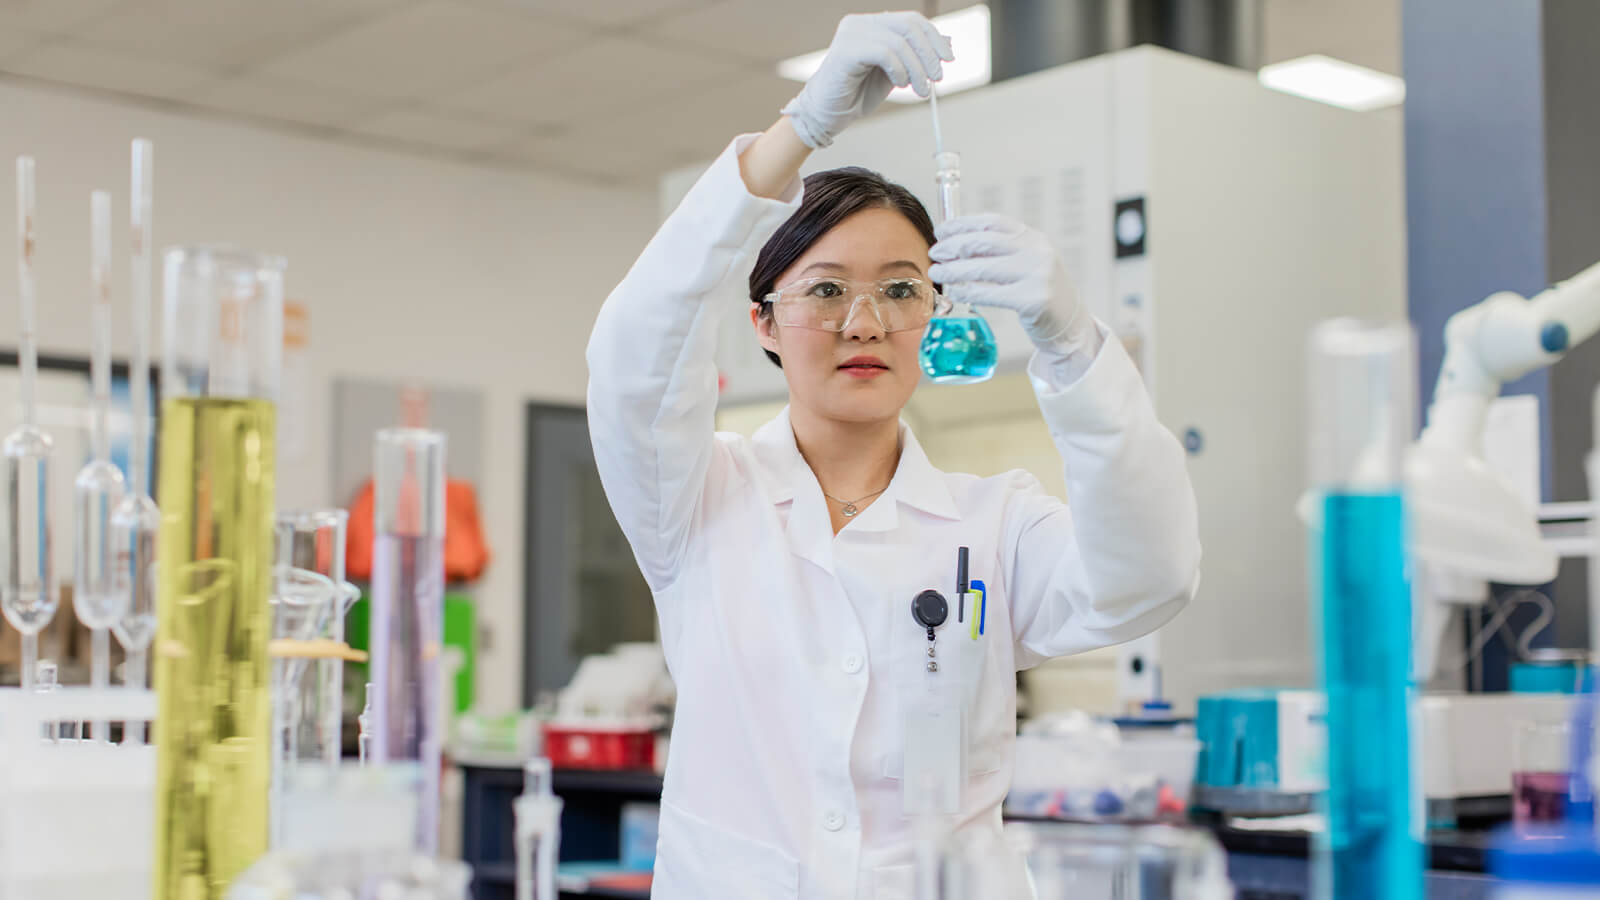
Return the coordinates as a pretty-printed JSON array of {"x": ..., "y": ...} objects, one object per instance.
[{"x": 1209, "y": 222}]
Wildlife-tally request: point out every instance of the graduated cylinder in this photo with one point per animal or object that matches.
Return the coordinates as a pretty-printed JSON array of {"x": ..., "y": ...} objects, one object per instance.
[
  {"x": 223, "y": 339},
  {"x": 1362, "y": 418},
  {"x": 408, "y": 609}
]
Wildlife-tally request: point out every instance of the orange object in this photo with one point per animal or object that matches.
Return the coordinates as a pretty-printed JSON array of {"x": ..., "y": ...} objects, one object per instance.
[{"x": 466, "y": 553}]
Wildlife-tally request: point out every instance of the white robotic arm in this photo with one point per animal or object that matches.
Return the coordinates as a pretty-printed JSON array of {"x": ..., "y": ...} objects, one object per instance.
[
  {"x": 1502, "y": 339},
  {"x": 1470, "y": 526}
]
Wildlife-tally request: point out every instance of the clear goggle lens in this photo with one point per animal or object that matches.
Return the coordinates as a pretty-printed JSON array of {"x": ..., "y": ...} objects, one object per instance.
[{"x": 830, "y": 304}]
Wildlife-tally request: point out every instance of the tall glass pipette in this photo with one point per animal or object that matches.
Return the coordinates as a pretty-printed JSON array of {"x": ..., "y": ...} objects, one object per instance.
[
  {"x": 407, "y": 627},
  {"x": 136, "y": 522},
  {"x": 28, "y": 595},
  {"x": 99, "y": 485},
  {"x": 1363, "y": 378},
  {"x": 958, "y": 347}
]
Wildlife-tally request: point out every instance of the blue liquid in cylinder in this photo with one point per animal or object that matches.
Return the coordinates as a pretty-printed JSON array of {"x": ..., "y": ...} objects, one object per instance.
[
  {"x": 958, "y": 350},
  {"x": 1372, "y": 849}
]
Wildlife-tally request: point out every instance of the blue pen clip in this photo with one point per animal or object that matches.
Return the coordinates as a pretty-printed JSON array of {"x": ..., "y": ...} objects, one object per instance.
[{"x": 982, "y": 611}]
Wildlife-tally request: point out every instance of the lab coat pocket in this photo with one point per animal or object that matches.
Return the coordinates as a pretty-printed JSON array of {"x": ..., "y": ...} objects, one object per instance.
[
  {"x": 696, "y": 860},
  {"x": 985, "y": 705},
  {"x": 962, "y": 678}
]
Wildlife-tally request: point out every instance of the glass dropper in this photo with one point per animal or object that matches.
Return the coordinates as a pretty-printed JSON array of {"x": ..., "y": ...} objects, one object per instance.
[
  {"x": 136, "y": 522},
  {"x": 99, "y": 485},
  {"x": 28, "y": 596}
]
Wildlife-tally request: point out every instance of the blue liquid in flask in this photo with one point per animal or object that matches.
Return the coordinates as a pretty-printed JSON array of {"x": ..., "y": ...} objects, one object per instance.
[
  {"x": 958, "y": 349},
  {"x": 1372, "y": 849}
]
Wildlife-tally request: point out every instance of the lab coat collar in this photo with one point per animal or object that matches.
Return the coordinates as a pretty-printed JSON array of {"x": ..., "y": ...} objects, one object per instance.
[{"x": 787, "y": 478}]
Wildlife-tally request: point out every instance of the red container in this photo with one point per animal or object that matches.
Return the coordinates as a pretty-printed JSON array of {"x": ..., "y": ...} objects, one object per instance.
[{"x": 599, "y": 746}]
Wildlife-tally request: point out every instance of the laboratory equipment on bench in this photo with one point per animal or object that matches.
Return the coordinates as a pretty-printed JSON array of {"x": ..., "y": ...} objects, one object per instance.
[
  {"x": 136, "y": 522},
  {"x": 313, "y": 541},
  {"x": 1470, "y": 526},
  {"x": 1549, "y": 863},
  {"x": 608, "y": 714},
  {"x": 99, "y": 485},
  {"x": 1263, "y": 751},
  {"x": 349, "y": 808},
  {"x": 1071, "y": 861},
  {"x": 1078, "y": 768},
  {"x": 319, "y": 875},
  {"x": 1361, "y": 407},
  {"x": 364, "y": 725},
  {"x": 75, "y": 814},
  {"x": 538, "y": 818},
  {"x": 1549, "y": 670},
  {"x": 302, "y": 602},
  {"x": 223, "y": 336},
  {"x": 407, "y": 627},
  {"x": 28, "y": 595},
  {"x": 1539, "y": 771},
  {"x": 1465, "y": 763},
  {"x": 958, "y": 347}
]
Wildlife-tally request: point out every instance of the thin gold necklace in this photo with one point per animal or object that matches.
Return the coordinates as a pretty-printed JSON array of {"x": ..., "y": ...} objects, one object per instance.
[{"x": 848, "y": 508}]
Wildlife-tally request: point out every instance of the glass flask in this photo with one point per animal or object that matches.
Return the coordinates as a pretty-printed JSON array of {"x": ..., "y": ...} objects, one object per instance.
[{"x": 959, "y": 346}]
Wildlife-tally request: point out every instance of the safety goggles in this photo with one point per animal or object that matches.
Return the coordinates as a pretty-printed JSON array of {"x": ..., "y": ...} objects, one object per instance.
[{"x": 829, "y": 304}]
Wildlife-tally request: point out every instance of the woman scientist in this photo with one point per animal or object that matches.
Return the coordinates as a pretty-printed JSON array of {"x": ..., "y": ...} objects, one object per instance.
[{"x": 827, "y": 702}]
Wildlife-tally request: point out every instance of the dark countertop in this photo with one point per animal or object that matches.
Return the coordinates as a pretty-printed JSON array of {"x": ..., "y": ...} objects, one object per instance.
[{"x": 1452, "y": 851}]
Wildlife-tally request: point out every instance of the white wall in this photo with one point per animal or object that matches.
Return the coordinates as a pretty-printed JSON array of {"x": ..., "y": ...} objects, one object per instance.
[{"x": 411, "y": 268}]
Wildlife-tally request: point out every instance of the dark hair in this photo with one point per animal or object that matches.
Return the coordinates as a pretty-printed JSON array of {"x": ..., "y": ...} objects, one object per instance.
[{"x": 829, "y": 198}]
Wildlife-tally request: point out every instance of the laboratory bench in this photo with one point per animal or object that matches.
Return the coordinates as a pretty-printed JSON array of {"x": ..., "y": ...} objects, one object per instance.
[
  {"x": 1264, "y": 865},
  {"x": 591, "y": 823}
]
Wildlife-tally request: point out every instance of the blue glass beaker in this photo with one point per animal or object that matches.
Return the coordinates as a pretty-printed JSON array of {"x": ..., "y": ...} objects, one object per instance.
[{"x": 958, "y": 347}]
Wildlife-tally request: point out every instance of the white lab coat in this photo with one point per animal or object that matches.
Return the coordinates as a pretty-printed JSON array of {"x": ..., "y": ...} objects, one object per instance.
[{"x": 790, "y": 645}]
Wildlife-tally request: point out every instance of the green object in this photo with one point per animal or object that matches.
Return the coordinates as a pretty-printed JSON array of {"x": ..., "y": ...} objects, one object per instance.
[{"x": 460, "y": 631}]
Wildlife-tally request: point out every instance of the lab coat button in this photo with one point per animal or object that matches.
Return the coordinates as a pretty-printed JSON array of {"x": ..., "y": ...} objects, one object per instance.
[
  {"x": 852, "y": 664},
  {"x": 833, "y": 821}
]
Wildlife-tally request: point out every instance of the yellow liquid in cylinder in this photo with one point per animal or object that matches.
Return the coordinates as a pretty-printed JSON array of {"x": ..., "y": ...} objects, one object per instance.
[{"x": 214, "y": 574}]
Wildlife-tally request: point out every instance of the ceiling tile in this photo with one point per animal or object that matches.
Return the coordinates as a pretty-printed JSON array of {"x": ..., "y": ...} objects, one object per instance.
[
  {"x": 436, "y": 129},
  {"x": 225, "y": 32},
  {"x": 283, "y": 99},
  {"x": 603, "y": 13},
  {"x": 605, "y": 161},
  {"x": 760, "y": 30},
  {"x": 1365, "y": 32},
  {"x": 52, "y": 16},
  {"x": 70, "y": 62},
  {"x": 612, "y": 73},
  {"x": 692, "y": 128},
  {"x": 698, "y": 125},
  {"x": 425, "y": 50},
  {"x": 16, "y": 40}
]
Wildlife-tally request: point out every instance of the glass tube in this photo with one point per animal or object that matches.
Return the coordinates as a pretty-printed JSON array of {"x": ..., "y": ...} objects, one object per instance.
[
  {"x": 136, "y": 522},
  {"x": 1362, "y": 407},
  {"x": 314, "y": 541},
  {"x": 959, "y": 346},
  {"x": 408, "y": 609},
  {"x": 223, "y": 340},
  {"x": 99, "y": 486},
  {"x": 538, "y": 832},
  {"x": 28, "y": 591}
]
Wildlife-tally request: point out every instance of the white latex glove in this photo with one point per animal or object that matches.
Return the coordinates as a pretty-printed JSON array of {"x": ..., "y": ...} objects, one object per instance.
[
  {"x": 870, "y": 55},
  {"x": 992, "y": 260}
]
